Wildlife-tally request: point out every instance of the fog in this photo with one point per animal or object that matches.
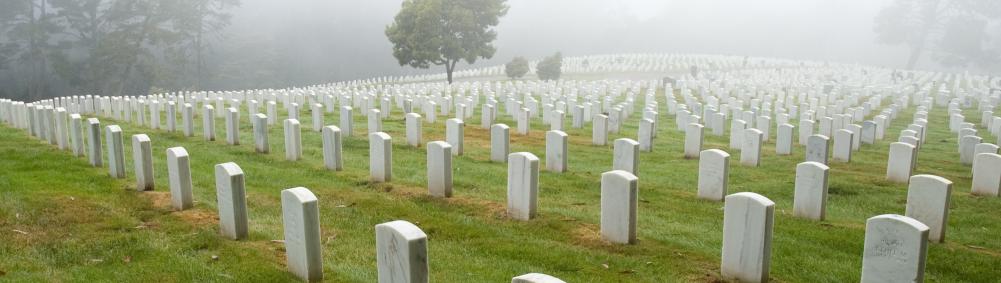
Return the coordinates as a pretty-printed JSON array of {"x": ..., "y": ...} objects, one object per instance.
[
  {"x": 275, "y": 44},
  {"x": 341, "y": 40}
]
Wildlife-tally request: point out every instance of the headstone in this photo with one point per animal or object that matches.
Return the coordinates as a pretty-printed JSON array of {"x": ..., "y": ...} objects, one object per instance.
[
  {"x": 900, "y": 162},
  {"x": 522, "y": 185},
  {"x": 599, "y": 130},
  {"x": 486, "y": 116},
  {"x": 499, "y": 142},
  {"x": 439, "y": 169},
  {"x": 645, "y": 135},
  {"x": 626, "y": 156},
  {"x": 188, "y": 117},
  {"x": 523, "y": 121},
  {"x": 895, "y": 249},
  {"x": 272, "y": 109},
  {"x": 783, "y": 139},
  {"x": 817, "y": 147},
  {"x": 843, "y": 145},
  {"x": 347, "y": 123},
  {"x": 810, "y": 198},
  {"x": 987, "y": 174},
  {"x": 454, "y": 134},
  {"x": 317, "y": 113},
  {"x": 301, "y": 217},
  {"x": 967, "y": 145},
  {"x": 374, "y": 121},
  {"x": 60, "y": 126},
  {"x": 171, "y": 116},
  {"x": 747, "y": 237},
  {"x": 293, "y": 140},
  {"x": 536, "y": 278},
  {"x": 332, "y": 148},
  {"x": 231, "y": 200},
  {"x": 261, "y": 144},
  {"x": 928, "y": 202},
  {"x": 714, "y": 168},
  {"x": 94, "y": 142},
  {"x": 76, "y": 135},
  {"x": 116, "y": 152},
  {"x": 232, "y": 126},
  {"x": 179, "y": 177},
  {"x": 805, "y": 131},
  {"x": 556, "y": 151},
  {"x": 142, "y": 158},
  {"x": 208, "y": 123},
  {"x": 764, "y": 124},
  {"x": 868, "y": 132},
  {"x": 619, "y": 196},
  {"x": 694, "y": 136},
  {"x": 401, "y": 252},
  {"x": 380, "y": 151},
  {"x": 750, "y": 153},
  {"x": 414, "y": 131},
  {"x": 737, "y": 128}
]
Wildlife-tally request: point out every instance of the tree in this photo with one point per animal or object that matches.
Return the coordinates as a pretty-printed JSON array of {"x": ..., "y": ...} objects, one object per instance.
[
  {"x": 954, "y": 31},
  {"x": 550, "y": 67},
  {"x": 517, "y": 68},
  {"x": 444, "y": 32}
]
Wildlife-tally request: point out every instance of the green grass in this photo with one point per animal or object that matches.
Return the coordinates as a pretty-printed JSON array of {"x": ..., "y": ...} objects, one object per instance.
[{"x": 82, "y": 225}]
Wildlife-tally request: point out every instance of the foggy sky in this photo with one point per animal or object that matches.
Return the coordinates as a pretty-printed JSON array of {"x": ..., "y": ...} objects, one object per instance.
[{"x": 334, "y": 40}]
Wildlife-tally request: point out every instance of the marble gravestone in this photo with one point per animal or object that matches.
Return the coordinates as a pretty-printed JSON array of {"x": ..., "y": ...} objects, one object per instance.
[
  {"x": 895, "y": 249},
  {"x": 599, "y": 130},
  {"x": 500, "y": 135},
  {"x": 232, "y": 126},
  {"x": 747, "y": 237},
  {"x": 810, "y": 197},
  {"x": 179, "y": 177},
  {"x": 522, "y": 185},
  {"x": 76, "y": 135},
  {"x": 116, "y": 152},
  {"x": 261, "y": 144},
  {"x": 900, "y": 162},
  {"x": 231, "y": 200},
  {"x": 750, "y": 152},
  {"x": 714, "y": 167},
  {"x": 401, "y": 252},
  {"x": 556, "y": 151},
  {"x": 454, "y": 134},
  {"x": 439, "y": 168},
  {"x": 142, "y": 159},
  {"x": 380, "y": 150},
  {"x": 817, "y": 147},
  {"x": 626, "y": 156},
  {"x": 536, "y": 278},
  {"x": 293, "y": 140},
  {"x": 783, "y": 139},
  {"x": 208, "y": 123},
  {"x": 94, "y": 142},
  {"x": 347, "y": 123},
  {"x": 928, "y": 202},
  {"x": 619, "y": 197},
  {"x": 301, "y": 218},
  {"x": 986, "y": 174},
  {"x": 694, "y": 137},
  {"x": 414, "y": 131},
  {"x": 843, "y": 145},
  {"x": 332, "y": 148}
]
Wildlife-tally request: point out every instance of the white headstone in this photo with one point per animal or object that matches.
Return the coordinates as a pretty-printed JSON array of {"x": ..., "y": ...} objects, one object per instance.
[
  {"x": 626, "y": 156},
  {"x": 599, "y": 130},
  {"x": 179, "y": 177},
  {"x": 232, "y": 126},
  {"x": 694, "y": 136},
  {"x": 987, "y": 174},
  {"x": 439, "y": 168},
  {"x": 499, "y": 142},
  {"x": 454, "y": 134},
  {"x": 414, "y": 131},
  {"x": 261, "y": 144},
  {"x": 843, "y": 145},
  {"x": 380, "y": 151},
  {"x": 536, "y": 278},
  {"x": 900, "y": 162},
  {"x": 293, "y": 140},
  {"x": 895, "y": 249},
  {"x": 747, "y": 237},
  {"x": 116, "y": 152},
  {"x": 332, "y": 148},
  {"x": 301, "y": 218},
  {"x": 76, "y": 135},
  {"x": 619, "y": 197},
  {"x": 208, "y": 123},
  {"x": 928, "y": 202},
  {"x": 522, "y": 185},
  {"x": 231, "y": 200},
  {"x": 810, "y": 198},
  {"x": 94, "y": 142},
  {"x": 817, "y": 147},
  {"x": 142, "y": 158},
  {"x": 714, "y": 168},
  {"x": 401, "y": 252},
  {"x": 347, "y": 122},
  {"x": 750, "y": 152}
]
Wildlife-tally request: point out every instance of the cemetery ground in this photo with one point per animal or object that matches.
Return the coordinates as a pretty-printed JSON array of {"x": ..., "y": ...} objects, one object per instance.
[{"x": 62, "y": 220}]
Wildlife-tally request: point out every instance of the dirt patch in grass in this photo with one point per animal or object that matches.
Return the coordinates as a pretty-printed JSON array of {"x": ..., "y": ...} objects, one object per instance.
[
  {"x": 160, "y": 200},
  {"x": 589, "y": 235},
  {"x": 198, "y": 217}
]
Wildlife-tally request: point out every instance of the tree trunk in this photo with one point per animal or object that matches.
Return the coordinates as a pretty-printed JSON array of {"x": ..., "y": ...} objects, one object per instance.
[{"x": 448, "y": 71}]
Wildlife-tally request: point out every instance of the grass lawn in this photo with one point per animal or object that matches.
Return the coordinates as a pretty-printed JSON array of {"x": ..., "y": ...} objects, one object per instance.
[{"x": 62, "y": 220}]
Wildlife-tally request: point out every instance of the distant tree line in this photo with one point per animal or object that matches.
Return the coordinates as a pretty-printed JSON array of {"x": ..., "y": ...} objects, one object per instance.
[
  {"x": 106, "y": 47},
  {"x": 953, "y": 33}
]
